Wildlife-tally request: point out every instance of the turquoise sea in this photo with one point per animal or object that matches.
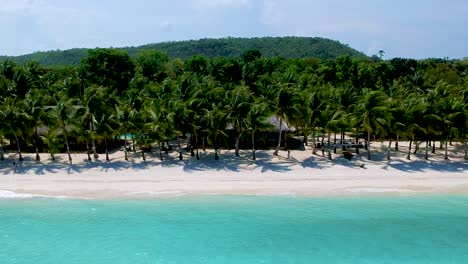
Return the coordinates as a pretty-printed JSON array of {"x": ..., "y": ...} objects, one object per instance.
[{"x": 241, "y": 229}]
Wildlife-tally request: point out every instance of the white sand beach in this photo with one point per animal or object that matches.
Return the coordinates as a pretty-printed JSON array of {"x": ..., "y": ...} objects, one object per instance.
[{"x": 303, "y": 174}]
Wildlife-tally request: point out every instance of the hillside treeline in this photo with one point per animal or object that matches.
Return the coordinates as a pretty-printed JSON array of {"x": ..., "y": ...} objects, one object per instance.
[
  {"x": 227, "y": 101},
  {"x": 285, "y": 47}
]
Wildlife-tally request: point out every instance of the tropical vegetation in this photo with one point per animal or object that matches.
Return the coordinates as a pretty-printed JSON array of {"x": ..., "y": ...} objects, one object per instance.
[{"x": 110, "y": 99}]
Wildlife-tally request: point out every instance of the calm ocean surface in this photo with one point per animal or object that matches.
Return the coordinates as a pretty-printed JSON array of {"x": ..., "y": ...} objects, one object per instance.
[{"x": 221, "y": 229}]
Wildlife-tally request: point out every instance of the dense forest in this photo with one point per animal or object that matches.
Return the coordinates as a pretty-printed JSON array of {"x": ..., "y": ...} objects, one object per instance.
[
  {"x": 285, "y": 47},
  {"x": 227, "y": 101}
]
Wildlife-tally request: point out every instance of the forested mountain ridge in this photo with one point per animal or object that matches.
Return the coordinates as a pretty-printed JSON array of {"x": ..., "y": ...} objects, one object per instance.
[{"x": 285, "y": 47}]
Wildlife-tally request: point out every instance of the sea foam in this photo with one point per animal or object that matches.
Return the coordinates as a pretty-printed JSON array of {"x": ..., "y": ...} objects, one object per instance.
[{"x": 13, "y": 195}]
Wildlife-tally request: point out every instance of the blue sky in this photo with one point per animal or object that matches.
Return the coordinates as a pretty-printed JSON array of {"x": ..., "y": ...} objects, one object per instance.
[{"x": 409, "y": 28}]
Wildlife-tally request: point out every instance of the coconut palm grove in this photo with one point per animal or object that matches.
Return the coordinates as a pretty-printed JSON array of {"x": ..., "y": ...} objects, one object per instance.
[{"x": 152, "y": 101}]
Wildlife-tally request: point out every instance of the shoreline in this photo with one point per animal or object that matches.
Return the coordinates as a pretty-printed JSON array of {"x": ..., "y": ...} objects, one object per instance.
[{"x": 301, "y": 175}]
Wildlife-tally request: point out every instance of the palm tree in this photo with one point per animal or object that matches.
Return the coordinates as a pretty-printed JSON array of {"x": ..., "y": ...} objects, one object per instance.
[
  {"x": 106, "y": 129},
  {"x": 374, "y": 114},
  {"x": 13, "y": 117},
  {"x": 256, "y": 119},
  {"x": 95, "y": 101},
  {"x": 393, "y": 123},
  {"x": 52, "y": 141},
  {"x": 237, "y": 108},
  {"x": 285, "y": 108},
  {"x": 216, "y": 121},
  {"x": 455, "y": 120},
  {"x": 63, "y": 116},
  {"x": 34, "y": 111},
  {"x": 413, "y": 106},
  {"x": 177, "y": 120},
  {"x": 157, "y": 122},
  {"x": 83, "y": 135},
  {"x": 125, "y": 115}
]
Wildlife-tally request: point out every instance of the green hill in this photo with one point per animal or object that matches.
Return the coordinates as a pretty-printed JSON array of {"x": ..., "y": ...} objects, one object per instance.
[{"x": 286, "y": 47}]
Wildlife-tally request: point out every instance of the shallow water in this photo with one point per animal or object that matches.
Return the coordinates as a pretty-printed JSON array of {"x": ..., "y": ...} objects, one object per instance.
[{"x": 219, "y": 229}]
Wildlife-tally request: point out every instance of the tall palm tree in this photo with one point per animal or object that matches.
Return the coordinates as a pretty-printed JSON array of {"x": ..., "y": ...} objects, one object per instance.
[
  {"x": 216, "y": 121},
  {"x": 125, "y": 116},
  {"x": 156, "y": 123},
  {"x": 257, "y": 119},
  {"x": 94, "y": 101},
  {"x": 178, "y": 120},
  {"x": 33, "y": 112},
  {"x": 285, "y": 108},
  {"x": 414, "y": 106},
  {"x": 238, "y": 104},
  {"x": 374, "y": 114},
  {"x": 106, "y": 129},
  {"x": 455, "y": 120},
  {"x": 52, "y": 141},
  {"x": 83, "y": 135},
  {"x": 63, "y": 117},
  {"x": 13, "y": 120}
]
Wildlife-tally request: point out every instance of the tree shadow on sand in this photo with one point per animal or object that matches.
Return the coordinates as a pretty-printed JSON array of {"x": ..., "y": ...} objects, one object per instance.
[
  {"x": 422, "y": 166},
  {"x": 229, "y": 162}
]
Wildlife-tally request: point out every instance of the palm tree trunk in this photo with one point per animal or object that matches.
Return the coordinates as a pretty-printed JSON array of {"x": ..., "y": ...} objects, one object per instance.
[
  {"x": 396, "y": 143},
  {"x": 279, "y": 138},
  {"x": 465, "y": 147},
  {"x": 446, "y": 150},
  {"x": 2, "y": 155},
  {"x": 143, "y": 154},
  {"x": 389, "y": 149},
  {"x": 196, "y": 145},
  {"x": 433, "y": 147},
  {"x": 285, "y": 140},
  {"x": 329, "y": 153},
  {"x": 368, "y": 146},
  {"x": 125, "y": 145},
  {"x": 38, "y": 158},
  {"x": 357, "y": 141},
  {"x": 314, "y": 142},
  {"x": 416, "y": 146},
  {"x": 426, "y": 155},
  {"x": 334, "y": 143},
  {"x": 237, "y": 146},
  {"x": 88, "y": 151},
  {"x": 253, "y": 145},
  {"x": 53, "y": 156},
  {"x": 68, "y": 148},
  {"x": 133, "y": 144},
  {"x": 215, "y": 145},
  {"x": 191, "y": 144},
  {"x": 166, "y": 151},
  {"x": 180, "y": 148},
  {"x": 107, "y": 150},
  {"x": 160, "y": 151},
  {"x": 408, "y": 157},
  {"x": 93, "y": 146},
  {"x": 305, "y": 141},
  {"x": 20, "y": 156}
]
